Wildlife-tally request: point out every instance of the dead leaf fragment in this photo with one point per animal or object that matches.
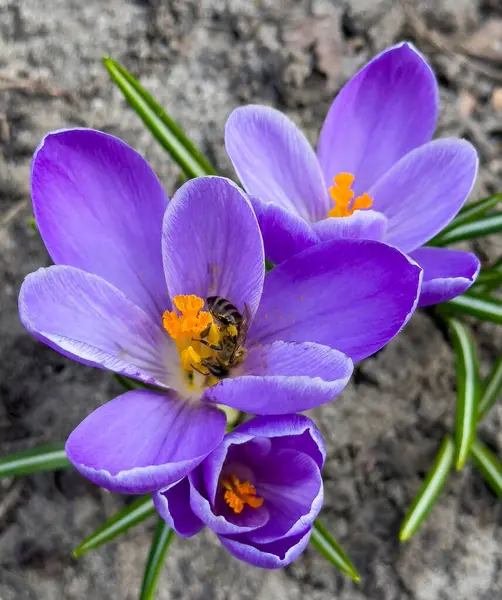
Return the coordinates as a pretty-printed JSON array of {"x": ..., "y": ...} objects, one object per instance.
[
  {"x": 497, "y": 99},
  {"x": 466, "y": 103}
]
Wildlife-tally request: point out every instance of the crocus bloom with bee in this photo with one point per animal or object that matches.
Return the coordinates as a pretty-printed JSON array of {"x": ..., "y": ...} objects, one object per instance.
[
  {"x": 129, "y": 289},
  {"x": 259, "y": 491},
  {"x": 376, "y": 175}
]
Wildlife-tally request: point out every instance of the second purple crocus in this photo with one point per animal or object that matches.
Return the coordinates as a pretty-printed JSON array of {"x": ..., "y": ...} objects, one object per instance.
[
  {"x": 260, "y": 491},
  {"x": 376, "y": 175}
]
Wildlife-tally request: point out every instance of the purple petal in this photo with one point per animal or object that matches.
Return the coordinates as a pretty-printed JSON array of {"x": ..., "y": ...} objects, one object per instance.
[
  {"x": 362, "y": 225},
  {"x": 275, "y": 161},
  {"x": 220, "y": 517},
  {"x": 99, "y": 207},
  {"x": 88, "y": 319},
  {"x": 386, "y": 110},
  {"x": 143, "y": 441},
  {"x": 284, "y": 233},
  {"x": 268, "y": 556},
  {"x": 213, "y": 464},
  {"x": 290, "y": 483},
  {"x": 424, "y": 191},
  {"x": 286, "y": 431},
  {"x": 212, "y": 244},
  {"x": 447, "y": 273},
  {"x": 173, "y": 505},
  {"x": 283, "y": 378},
  {"x": 351, "y": 295},
  {"x": 247, "y": 457},
  {"x": 255, "y": 438}
]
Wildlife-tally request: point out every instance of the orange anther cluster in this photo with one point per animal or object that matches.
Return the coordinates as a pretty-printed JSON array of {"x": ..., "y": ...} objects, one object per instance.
[
  {"x": 343, "y": 197},
  {"x": 193, "y": 331},
  {"x": 191, "y": 322},
  {"x": 238, "y": 494}
]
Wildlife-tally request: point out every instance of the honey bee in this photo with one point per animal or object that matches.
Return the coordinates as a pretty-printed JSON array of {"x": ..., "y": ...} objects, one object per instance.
[{"x": 233, "y": 330}]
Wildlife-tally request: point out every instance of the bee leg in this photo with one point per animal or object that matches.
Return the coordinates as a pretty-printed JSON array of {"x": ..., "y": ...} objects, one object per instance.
[
  {"x": 205, "y": 332},
  {"x": 215, "y": 347},
  {"x": 198, "y": 370},
  {"x": 215, "y": 369}
]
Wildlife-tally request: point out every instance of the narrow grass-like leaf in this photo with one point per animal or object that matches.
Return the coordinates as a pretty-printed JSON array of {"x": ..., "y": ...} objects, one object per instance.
[
  {"x": 497, "y": 264},
  {"x": 488, "y": 280},
  {"x": 124, "y": 519},
  {"x": 492, "y": 389},
  {"x": 162, "y": 538},
  {"x": 489, "y": 466},
  {"x": 133, "y": 384},
  {"x": 474, "y": 210},
  {"x": 268, "y": 265},
  {"x": 125, "y": 382},
  {"x": 468, "y": 385},
  {"x": 430, "y": 490},
  {"x": 324, "y": 543},
  {"x": 481, "y": 306},
  {"x": 50, "y": 457},
  {"x": 474, "y": 229},
  {"x": 165, "y": 129}
]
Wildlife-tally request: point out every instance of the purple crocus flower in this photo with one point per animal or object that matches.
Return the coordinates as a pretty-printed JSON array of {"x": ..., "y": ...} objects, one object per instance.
[
  {"x": 128, "y": 290},
  {"x": 377, "y": 174},
  {"x": 260, "y": 491}
]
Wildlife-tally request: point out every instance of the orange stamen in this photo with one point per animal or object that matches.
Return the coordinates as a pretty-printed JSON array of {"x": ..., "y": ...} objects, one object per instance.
[
  {"x": 192, "y": 320},
  {"x": 238, "y": 494},
  {"x": 186, "y": 330},
  {"x": 343, "y": 197}
]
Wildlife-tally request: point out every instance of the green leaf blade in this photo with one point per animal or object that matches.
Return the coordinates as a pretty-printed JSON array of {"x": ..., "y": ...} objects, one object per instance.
[
  {"x": 161, "y": 541},
  {"x": 474, "y": 229},
  {"x": 165, "y": 129},
  {"x": 50, "y": 457},
  {"x": 430, "y": 489},
  {"x": 488, "y": 465},
  {"x": 472, "y": 211},
  {"x": 124, "y": 519},
  {"x": 326, "y": 545},
  {"x": 489, "y": 276},
  {"x": 480, "y": 306},
  {"x": 125, "y": 382},
  {"x": 492, "y": 389},
  {"x": 487, "y": 281},
  {"x": 467, "y": 390},
  {"x": 269, "y": 265},
  {"x": 497, "y": 264}
]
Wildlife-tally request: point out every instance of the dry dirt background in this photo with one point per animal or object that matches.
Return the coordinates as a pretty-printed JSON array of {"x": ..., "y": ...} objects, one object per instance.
[{"x": 201, "y": 59}]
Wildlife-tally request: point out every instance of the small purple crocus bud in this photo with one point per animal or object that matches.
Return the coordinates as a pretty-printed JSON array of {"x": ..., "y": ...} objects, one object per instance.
[{"x": 259, "y": 491}]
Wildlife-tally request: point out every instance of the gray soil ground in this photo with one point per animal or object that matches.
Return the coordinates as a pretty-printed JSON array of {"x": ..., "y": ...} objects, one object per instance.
[{"x": 201, "y": 59}]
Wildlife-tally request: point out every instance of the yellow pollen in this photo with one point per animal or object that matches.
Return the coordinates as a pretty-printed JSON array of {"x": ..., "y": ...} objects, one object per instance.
[
  {"x": 238, "y": 494},
  {"x": 343, "y": 197},
  {"x": 189, "y": 357},
  {"x": 191, "y": 321},
  {"x": 232, "y": 330},
  {"x": 187, "y": 327}
]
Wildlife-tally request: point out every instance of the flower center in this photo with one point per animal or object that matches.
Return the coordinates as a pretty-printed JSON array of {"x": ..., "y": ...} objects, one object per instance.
[
  {"x": 343, "y": 197},
  {"x": 209, "y": 342},
  {"x": 238, "y": 494},
  {"x": 196, "y": 335}
]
